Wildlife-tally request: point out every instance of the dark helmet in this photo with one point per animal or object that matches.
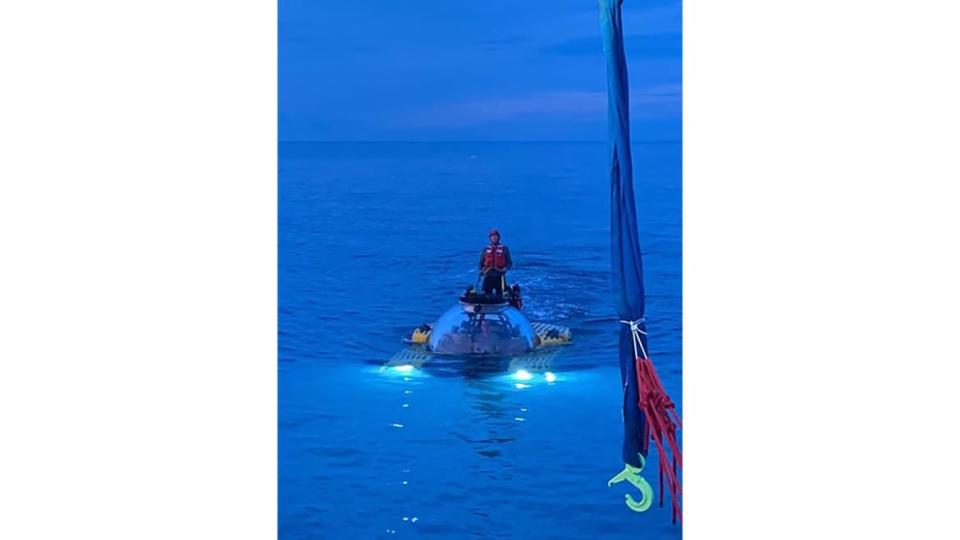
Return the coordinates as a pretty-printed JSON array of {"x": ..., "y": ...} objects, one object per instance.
[{"x": 493, "y": 232}]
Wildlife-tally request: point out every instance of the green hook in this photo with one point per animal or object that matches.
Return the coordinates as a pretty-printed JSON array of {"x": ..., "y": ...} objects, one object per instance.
[{"x": 632, "y": 474}]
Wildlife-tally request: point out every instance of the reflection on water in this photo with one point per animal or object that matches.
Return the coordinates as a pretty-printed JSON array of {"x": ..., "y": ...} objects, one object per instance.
[{"x": 494, "y": 389}]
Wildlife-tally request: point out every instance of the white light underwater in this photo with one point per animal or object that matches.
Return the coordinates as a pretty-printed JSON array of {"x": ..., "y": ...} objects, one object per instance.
[
  {"x": 523, "y": 378},
  {"x": 522, "y": 375},
  {"x": 407, "y": 372}
]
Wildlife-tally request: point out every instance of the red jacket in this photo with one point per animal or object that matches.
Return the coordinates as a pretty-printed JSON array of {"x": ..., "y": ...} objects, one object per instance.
[{"x": 495, "y": 256}]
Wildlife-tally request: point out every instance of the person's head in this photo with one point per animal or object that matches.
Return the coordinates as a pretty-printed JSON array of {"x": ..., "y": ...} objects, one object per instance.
[{"x": 494, "y": 236}]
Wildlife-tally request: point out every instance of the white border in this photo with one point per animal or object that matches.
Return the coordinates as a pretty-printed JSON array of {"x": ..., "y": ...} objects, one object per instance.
[
  {"x": 820, "y": 269},
  {"x": 138, "y": 274}
]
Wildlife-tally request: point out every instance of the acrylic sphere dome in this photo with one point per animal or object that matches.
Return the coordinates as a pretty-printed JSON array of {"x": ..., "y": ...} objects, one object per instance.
[{"x": 494, "y": 330}]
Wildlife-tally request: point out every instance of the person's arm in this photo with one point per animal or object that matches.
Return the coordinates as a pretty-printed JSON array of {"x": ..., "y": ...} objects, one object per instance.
[
  {"x": 480, "y": 266},
  {"x": 506, "y": 251}
]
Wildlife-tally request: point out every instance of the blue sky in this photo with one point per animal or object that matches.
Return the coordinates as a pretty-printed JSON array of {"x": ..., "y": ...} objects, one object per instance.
[{"x": 456, "y": 70}]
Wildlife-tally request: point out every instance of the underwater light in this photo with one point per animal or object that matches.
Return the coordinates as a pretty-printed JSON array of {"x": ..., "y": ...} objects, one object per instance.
[
  {"x": 404, "y": 368},
  {"x": 550, "y": 376},
  {"x": 522, "y": 375}
]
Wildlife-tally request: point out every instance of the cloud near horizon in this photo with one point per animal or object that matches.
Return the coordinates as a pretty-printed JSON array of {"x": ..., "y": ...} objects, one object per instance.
[
  {"x": 660, "y": 101},
  {"x": 502, "y": 70}
]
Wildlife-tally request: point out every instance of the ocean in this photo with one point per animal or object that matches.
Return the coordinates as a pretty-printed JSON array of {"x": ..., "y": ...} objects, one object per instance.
[{"x": 378, "y": 238}]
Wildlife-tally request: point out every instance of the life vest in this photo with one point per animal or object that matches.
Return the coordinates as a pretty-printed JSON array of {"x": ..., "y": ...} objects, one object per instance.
[{"x": 494, "y": 256}]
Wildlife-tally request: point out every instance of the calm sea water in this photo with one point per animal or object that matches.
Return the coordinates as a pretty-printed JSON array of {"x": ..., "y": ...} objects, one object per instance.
[{"x": 377, "y": 238}]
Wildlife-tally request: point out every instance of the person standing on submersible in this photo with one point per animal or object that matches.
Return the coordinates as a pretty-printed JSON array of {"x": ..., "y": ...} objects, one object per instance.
[{"x": 494, "y": 262}]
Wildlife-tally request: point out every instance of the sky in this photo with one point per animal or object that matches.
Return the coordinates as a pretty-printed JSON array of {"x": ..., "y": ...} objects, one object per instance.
[{"x": 407, "y": 70}]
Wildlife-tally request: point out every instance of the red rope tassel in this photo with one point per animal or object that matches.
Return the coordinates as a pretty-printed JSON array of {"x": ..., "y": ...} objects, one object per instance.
[{"x": 663, "y": 422}]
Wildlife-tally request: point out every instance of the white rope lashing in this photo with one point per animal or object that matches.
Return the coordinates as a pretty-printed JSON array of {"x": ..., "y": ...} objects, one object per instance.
[{"x": 635, "y": 332}]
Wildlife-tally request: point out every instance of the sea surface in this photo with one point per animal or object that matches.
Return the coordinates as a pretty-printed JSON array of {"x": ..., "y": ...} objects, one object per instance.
[{"x": 378, "y": 238}]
